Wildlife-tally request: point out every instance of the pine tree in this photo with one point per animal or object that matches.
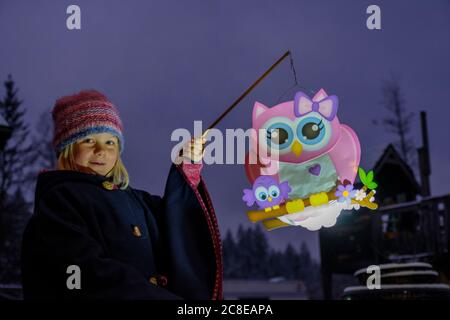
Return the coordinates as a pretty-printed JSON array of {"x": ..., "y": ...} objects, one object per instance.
[
  {"x": 239, "y": 269},
  {"x": 259, "y": 252},
  {"x": 251, "y": 257},
  {"x": 16, "y": 156},
  {"x": 398, "y": 121},
  {"x": 43, "y": 153},
  {"x": 14, "y": 168},
  {"x": 16, "y": 214},
  {"x": 276, "y": 264},
  {"x": 290, "y": 264},
  {"x": 305, "y": 261},
  {"x": 230, "y": 263},
  {"x": 245, "y": 257},
  {"x": 310, "y": 273}
]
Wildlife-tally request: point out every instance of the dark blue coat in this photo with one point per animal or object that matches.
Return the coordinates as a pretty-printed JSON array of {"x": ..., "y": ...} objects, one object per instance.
[{"x": 122, "y": 240}]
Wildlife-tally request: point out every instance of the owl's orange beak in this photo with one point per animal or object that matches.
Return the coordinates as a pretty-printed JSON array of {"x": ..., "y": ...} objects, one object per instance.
[
  {"x": 297, "y": 148},
  {"x": 269, "y": 199}
]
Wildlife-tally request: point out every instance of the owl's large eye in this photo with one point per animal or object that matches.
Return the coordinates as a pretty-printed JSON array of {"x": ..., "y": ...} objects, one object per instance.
[
  {"x": 274, "y": 191},
  {"x": 261, "y": 193},
  {"x": 279, "y": 135},
  {"x": 311, "y": 131}
]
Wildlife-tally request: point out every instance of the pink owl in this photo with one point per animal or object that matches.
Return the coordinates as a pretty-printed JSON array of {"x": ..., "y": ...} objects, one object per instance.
[{"x": 315, "y": 150}]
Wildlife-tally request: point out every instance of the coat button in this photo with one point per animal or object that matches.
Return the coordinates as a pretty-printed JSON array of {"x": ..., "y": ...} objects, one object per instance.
[
  {"x": 109, "y": 185},
  {"x": 137, "y": 232},
  {"x": 153, "y": 280},
  {"x": 158, "y": 280},
  {"x": 162, "y": 281}
]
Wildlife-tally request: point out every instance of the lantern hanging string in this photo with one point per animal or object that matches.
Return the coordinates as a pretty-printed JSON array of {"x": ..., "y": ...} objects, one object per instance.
[
  {"x": 249, "y": 89},
  {"x": 291, "y": 60}
]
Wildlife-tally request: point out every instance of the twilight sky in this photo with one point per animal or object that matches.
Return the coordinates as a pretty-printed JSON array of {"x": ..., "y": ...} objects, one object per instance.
[{"x": 167, "y": 63}]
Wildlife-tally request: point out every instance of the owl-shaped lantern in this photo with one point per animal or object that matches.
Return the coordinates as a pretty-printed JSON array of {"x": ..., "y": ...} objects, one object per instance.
[{"x": 317, "y": 159}]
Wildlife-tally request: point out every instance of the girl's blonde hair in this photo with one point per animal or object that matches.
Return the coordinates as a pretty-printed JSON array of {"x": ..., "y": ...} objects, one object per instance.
[{"x": 119, "y": 174}]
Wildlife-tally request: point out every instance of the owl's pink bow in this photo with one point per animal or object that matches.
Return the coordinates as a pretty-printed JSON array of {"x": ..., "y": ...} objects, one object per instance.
[{"x": 327, "y": 107}]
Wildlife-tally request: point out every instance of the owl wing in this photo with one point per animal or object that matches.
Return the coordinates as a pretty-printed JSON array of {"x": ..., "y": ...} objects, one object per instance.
[
  {"x": 285, "y": 189},
  {"x": 346, "y": 154},
  {"x": 248, "y": 197}
]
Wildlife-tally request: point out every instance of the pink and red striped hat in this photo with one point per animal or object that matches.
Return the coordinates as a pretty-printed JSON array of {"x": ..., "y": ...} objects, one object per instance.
[{"x": 79, "y": 115}]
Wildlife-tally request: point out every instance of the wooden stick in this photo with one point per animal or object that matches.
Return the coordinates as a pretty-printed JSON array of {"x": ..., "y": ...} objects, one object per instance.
[{"x": 235, "y": 103}]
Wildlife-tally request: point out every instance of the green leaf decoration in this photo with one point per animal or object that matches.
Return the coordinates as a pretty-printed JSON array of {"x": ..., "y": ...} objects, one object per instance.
[
  {"x": 370, "y": 176},
  {"x": 372, "y": 185},
  {"x": 367, "y": 179},
  {"x": 362, "y": 175}
]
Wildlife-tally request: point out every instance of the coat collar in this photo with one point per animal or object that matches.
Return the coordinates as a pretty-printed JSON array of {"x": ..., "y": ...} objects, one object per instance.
[{"x": 48, "y": 179}]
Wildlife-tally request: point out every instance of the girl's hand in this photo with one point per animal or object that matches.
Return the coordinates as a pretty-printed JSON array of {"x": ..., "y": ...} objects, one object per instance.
[{"x": 193, "y": 151}]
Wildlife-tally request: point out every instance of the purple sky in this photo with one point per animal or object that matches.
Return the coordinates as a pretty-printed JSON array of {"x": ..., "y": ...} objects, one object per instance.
[{"x": 168, "y": 63}]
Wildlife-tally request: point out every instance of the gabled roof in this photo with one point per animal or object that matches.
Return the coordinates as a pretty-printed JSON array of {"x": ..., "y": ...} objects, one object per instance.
[{"x": 390, "y": 155}]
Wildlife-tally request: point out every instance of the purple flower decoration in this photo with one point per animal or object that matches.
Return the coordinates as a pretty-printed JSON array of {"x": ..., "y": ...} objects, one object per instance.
[{"x": 345, "y": 193}]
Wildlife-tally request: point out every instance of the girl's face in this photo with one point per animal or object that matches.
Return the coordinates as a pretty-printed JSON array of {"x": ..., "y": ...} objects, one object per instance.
[{"x": 97, "y": 153}]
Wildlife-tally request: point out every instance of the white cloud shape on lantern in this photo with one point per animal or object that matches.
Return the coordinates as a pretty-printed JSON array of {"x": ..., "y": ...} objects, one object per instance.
[{"x": 314, "y": 218}]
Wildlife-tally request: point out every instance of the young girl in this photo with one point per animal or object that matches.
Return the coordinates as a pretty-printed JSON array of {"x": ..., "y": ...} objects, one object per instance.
[{"x": 121, "y": 243}]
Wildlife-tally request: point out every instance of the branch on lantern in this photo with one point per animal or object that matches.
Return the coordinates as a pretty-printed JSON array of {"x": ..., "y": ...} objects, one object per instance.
[{"x": 260, "y": 215}]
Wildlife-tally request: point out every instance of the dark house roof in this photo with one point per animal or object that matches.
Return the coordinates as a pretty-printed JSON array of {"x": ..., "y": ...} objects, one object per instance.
[{"x": 391, "y": 156}]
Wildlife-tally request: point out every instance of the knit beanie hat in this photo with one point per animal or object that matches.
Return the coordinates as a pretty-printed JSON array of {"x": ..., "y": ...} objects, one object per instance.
[{"x": 82, "y": 114}]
